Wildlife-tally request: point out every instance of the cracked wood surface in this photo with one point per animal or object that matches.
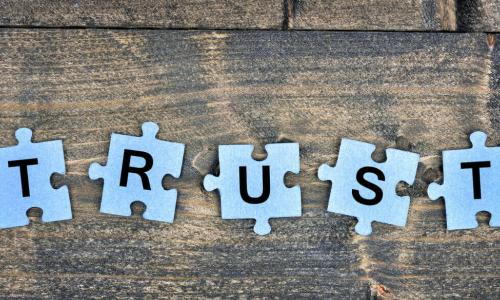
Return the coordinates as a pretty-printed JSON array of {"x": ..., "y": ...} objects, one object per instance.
[{"x": 418, "y": 91}]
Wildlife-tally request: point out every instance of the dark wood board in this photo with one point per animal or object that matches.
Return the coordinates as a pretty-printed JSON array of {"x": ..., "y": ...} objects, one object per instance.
[
  {"x": 213, "y": 14},
  {"x": 420, "y": 15},
  {"x": 422, "y": 92},
  {"x": 386, "y": 15},
  {"x": 478, "y": 15}
]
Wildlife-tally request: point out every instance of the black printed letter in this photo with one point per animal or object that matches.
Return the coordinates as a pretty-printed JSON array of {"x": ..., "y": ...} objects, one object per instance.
[
  {"x": 376, "y": 189},
  {"x": 23, "y": 168},
  {"x": 126, "y": 168},
  {"x": 476, "y": 175},
  {"x": 266, "y": 186}
]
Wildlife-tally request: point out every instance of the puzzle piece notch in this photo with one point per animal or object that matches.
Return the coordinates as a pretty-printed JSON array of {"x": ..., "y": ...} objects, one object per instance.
[
  {"x": 97, "y": 171},
  {"x": 54, "y": 203},
  {"x": 435, "y": 191},
  {"x": 461, "y": 209},
  {"x": 23, "y": 136},
  {"x": 363, "y": 227},
  {"x": 354, "y": 155},
  {"x": 168, "y": 158},
  {"x": 150, "y": 130},
  {"x": 478, "y": 139},
  {"x": 262, "y": 226},
  {"x": 326, "y": 173},
  {"x": 211, "y": 182},
  {"x": 282, "y": 158}
]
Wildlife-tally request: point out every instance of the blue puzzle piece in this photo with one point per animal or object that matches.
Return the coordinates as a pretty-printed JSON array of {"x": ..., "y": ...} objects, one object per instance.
[
  {"x": 135, "y": 171},
  {"x": 37, "y": 161},
  {"x": 463, "y": 200},
  {"x": 250, "y": 202},
  {"x": 355, "y": 161}
]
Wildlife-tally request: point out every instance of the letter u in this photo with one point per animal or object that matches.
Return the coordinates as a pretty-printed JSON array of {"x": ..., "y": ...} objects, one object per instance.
[{"x": 266, "y": 186}]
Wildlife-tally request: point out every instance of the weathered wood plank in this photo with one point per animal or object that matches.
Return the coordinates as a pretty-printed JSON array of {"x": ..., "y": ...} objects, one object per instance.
[
  {"x": 478, "y": 15},
  {"x": 419, "y": 91},
  {"x": 211, "y": 14},
  {"x": 424, "y": 15}
]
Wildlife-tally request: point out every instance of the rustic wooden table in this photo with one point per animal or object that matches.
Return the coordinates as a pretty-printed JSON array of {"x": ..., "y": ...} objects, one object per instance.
[{"x": 415, "y": 74}]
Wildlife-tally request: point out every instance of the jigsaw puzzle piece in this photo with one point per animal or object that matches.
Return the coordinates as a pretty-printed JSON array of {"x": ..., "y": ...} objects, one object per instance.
[
  {"x": 160, "y": 205},
  {"x": 470, "y": 183},
  {"x": 118, "y": 202},
  {"x": 284, "y": 201},
  {"x": 366, "y": 189},
  {"x": 59, "y": 208},
  {"x": 351, "y": 152},
  {"x": 400, "y": 166},
  {"x": 458, "y": 214},
  {"x": 135, "y": 171},
  {"x": 252, "y": 189},
  {"x": 26, "y": 181},
  {"x": 161, "y": 210},
  {"x": 230, "y": 157}
]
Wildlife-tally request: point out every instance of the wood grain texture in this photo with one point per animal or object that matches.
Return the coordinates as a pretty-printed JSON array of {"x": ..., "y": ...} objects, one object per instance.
[
  {"x": 389, "y": 15},
  {"x": 418, "y": 91},
  {"x": 478, "y": 15},
  {"x": 212, "y": 14},
  {"x": 422, "y": 15}
]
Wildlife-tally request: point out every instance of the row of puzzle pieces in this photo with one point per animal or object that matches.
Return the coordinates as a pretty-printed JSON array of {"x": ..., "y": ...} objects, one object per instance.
[{"x": 249, "y": 189}]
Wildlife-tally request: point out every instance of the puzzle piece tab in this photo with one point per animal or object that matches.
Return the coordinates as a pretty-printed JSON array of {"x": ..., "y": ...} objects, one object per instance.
[
  {"x": 25, "y": 172},
  {"x": 135, "y": 171},
  {"x": 252, "y": 189},
  {"x": 471, "y": 184},
  {"x": 365, "y": 189}
]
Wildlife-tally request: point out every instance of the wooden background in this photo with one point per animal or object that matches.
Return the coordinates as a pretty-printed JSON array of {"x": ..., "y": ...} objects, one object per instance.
[{"x": 413, "y": 74}]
